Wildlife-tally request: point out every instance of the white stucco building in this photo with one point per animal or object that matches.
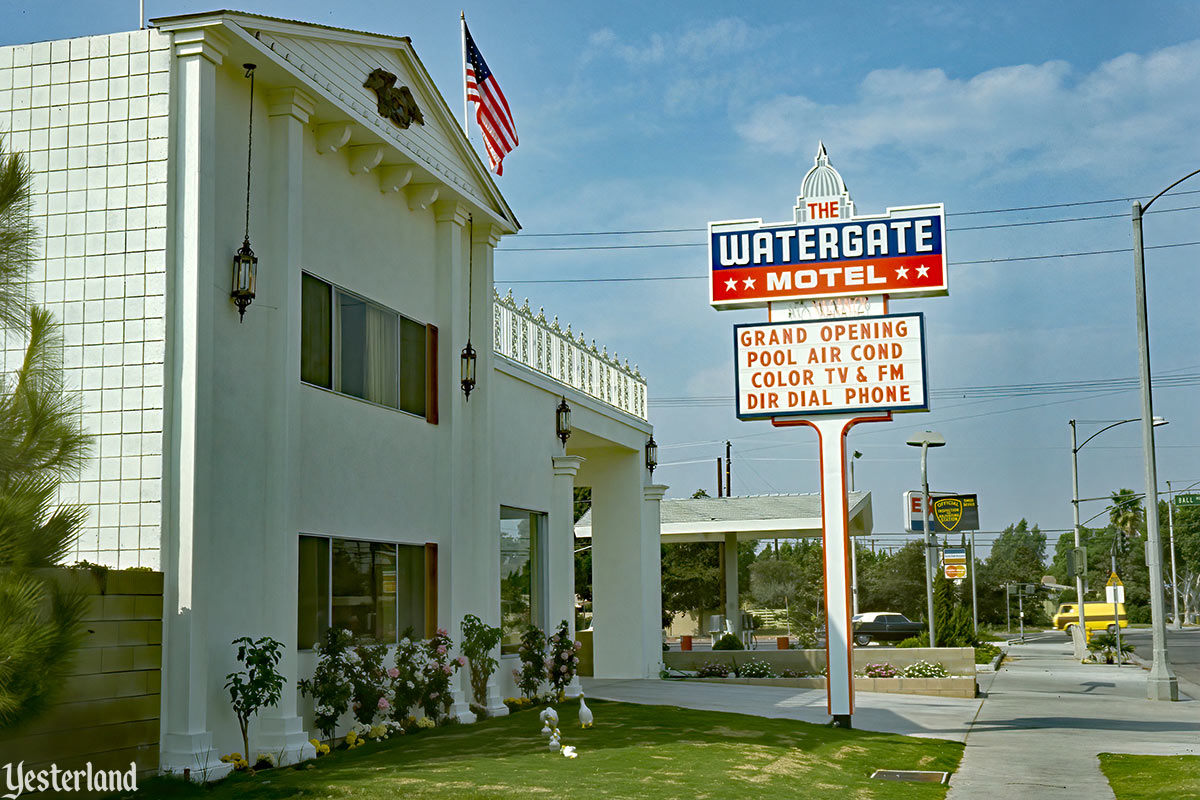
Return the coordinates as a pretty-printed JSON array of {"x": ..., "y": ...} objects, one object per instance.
[{"x": 317, "y": 462}]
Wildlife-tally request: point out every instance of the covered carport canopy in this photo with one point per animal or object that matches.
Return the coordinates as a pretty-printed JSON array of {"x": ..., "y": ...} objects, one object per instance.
[{"x": 729, "y": 520}]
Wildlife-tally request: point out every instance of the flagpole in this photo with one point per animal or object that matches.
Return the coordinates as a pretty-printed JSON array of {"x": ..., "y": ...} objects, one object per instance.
[{"x": 466, "y": 103}]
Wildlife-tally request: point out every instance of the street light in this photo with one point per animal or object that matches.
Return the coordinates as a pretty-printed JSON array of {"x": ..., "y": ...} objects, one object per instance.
[
  {"x": 1162, "y": 684},
  {"x": 926, "y": 440},
  {"x": 1079, "y": 589}
]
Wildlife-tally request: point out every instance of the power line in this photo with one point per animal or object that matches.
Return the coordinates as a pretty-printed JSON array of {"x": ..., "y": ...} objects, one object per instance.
[
  {"x": 636, "y": 232},
  {"x": 705, "y": 277}
]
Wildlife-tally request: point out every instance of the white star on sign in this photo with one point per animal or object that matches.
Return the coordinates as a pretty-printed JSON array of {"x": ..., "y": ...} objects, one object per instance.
[
  {"x": 749, "y": 283},
  {"x": 922, "y": 272},
  {"x": 731, "y": 285},
  {"x": 902, "y": 272}
]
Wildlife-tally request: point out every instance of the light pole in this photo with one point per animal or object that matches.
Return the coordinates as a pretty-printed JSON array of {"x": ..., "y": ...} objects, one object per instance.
[
  {"x": 926, "y": 440},
  {"x": 1155, "y": 422},
  {"x": 1161, "y": 684}
]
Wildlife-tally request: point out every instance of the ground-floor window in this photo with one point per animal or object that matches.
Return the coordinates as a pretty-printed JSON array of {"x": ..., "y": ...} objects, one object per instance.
[
  {"x": 373, "y": 589},
  {"x": 521, "y": 574}
]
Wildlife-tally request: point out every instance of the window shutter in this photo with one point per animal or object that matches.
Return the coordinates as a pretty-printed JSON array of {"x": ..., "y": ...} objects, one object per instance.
[
  {"x": 431, "y": 374},
  {"x": 431, "y": 589}
]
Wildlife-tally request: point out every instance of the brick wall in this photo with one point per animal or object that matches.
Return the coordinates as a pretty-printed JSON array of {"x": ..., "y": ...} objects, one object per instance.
[{"x": 108, "y": 712}]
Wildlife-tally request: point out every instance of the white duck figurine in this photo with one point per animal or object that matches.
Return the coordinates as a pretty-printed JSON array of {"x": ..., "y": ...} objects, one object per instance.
[
  {"x": 555, "y": 744},
  {"x": 585, "y": 714},
  {"x": 569, "y": 751},
  {"x": 549, "y": 718}
]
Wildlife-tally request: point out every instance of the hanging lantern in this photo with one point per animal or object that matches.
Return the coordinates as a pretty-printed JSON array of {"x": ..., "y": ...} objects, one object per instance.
[
  {"x": 466, "y": 366},
  {"x": 245, "y": 263},
  {"x": 245, "y": 272},
  {"x": 651, "y": 454},
  {"x": 562, "y": 421}
]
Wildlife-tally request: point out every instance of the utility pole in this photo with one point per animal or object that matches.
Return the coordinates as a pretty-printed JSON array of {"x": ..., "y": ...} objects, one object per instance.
[
  {"x": 720, "y": 485},
  {"x": 728, "y": 469}
]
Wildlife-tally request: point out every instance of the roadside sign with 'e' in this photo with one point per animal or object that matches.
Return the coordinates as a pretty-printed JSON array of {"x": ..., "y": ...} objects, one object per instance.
[{"x": 1187, "y": 499}]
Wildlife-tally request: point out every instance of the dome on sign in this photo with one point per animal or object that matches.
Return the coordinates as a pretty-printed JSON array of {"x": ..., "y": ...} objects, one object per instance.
[{"x": 822, "y": 180}]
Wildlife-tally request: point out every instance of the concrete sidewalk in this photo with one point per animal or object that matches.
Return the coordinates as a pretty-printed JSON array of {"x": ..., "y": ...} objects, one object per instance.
[
  {"x": 1046, "y": 717},
  {"x": 1036, "y": 734}
]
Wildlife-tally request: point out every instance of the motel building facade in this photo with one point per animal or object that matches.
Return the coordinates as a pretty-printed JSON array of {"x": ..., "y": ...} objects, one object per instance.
[{"x": 315, "y": 462}]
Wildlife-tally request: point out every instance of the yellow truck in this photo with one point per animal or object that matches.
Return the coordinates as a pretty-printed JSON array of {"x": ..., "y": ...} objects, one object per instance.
[{"x": 1097, "y": 617}]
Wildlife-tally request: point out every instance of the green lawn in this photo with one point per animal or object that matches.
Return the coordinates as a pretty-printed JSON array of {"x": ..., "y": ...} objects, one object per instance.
[
  {"x": 1142, "y": 777},
  {"x": 632, "y": 752}
]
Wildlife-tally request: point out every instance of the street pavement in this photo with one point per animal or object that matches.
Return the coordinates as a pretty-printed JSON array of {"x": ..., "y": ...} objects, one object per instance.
[
  {"x": 1183, "y": 651},
  {"x": 1036, "y": 733}
]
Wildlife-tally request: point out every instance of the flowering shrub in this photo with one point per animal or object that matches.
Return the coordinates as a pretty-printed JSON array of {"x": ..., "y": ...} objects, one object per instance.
[
  {"x": 425, "y": 723},
  {"x": 533, "y": 662},
  {"x": 713, "y": 669},
  {"x": 923, "y": 669},
  {"x": 439, "y": 668},
  {"x": 321, "y": 748},
  {"x": 756, "y": 669},
  {"x": 370, "y": 682},
  {"x": 236, "y": 759},
  {"x": 329, "y": 686},
  {"x": 788, "y": 673},
  {"x": 880, "y": 671},
  {"x": 517, "y": 703},
  {"x": 408, "y": 676},
  {"x": 564, "y": 660},
  {"x": 479, "y": 640}
]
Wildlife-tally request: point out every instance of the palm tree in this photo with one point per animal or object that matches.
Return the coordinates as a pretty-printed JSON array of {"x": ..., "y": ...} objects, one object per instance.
[
  {"x": 1126, "y": 514},
  {"x": 40, "y": 444}
]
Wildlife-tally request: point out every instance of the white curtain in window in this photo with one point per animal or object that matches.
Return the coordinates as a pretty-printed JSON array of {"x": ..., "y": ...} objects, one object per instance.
[{"x": 382, "y": 357}]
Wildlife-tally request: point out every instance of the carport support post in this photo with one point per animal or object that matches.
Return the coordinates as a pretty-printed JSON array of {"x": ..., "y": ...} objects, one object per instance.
[
  {"x": 560, "y": 551},
  {"x": 733, "y": 617}
]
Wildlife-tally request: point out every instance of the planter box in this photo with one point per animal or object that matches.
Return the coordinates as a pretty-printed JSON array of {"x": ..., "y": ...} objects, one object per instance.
[
  {"x": 954, "y": 686},
  {"x": 957, "y": 660}
]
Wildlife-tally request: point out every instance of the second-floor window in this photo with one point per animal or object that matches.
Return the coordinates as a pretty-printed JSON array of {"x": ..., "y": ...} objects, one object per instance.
[{"x": 357, "y": 347}]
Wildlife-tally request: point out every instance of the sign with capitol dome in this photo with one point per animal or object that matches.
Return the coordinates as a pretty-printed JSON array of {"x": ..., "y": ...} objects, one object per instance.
[{"x": 828, "y": 251}]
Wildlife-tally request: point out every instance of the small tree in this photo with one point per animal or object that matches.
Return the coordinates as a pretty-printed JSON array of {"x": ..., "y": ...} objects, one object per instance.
[
  {"x": 257, "y": 686},
  {"x": 479, "y": 640}
]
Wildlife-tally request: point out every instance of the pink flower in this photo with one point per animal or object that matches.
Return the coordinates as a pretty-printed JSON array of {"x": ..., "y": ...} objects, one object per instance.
[
  {"x": 563, "y": 668},
  {"x": 448, "y": 669},
  {"x": 462, "y": 661},
  {"x": 579, "y": 645},
  {"x": 393, "y": 673},
  {"x": 441, "y": 650},
  {"x": 575, "y": 659},
  {"x": 442, "y": 632},
  {"x": 383, "y": 703}
]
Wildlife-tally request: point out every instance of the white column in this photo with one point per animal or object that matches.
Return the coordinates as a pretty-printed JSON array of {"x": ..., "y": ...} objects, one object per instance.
[
  {"x": 188, "y": 497},
  {"x": 729, "y": 565},
  {"x": 281, "y": 729},
  {"x": 625, "y": 570}
]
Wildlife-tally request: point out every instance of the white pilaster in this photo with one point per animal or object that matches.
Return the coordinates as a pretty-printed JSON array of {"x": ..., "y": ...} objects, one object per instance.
[
  {"x": 187, "y": 685},
  {"x": 733, "y": 616},
  {"x": 652, "y": 495},
  {"x": 560, "y": 551},
  {"x": 281, "y": 729}
]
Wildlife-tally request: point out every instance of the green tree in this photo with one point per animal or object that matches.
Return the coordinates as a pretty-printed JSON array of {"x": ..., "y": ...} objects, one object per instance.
[
  {"x": 1127, "y": 517},
  {"x": 40, "y": 444},
  {"x": 895, "y": 582},
  {"x": 1018, "y": 556}
]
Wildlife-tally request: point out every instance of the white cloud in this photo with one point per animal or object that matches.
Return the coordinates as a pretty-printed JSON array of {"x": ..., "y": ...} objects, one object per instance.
[{"x": 1004, "y": 123}]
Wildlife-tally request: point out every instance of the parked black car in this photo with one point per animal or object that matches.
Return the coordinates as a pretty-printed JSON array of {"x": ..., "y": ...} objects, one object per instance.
[{"x": 883, "y": 626}]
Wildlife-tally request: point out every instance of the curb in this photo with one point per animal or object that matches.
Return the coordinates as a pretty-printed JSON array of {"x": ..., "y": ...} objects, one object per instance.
[{"x": 1186, "y": 687}]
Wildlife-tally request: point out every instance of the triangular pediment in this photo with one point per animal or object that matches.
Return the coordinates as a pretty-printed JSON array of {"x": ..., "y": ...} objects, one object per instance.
[{"x": 333, "y": 64}]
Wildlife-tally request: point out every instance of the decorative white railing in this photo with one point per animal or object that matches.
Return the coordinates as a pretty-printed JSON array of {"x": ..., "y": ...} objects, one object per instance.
[{"x": 543, "y": 346}]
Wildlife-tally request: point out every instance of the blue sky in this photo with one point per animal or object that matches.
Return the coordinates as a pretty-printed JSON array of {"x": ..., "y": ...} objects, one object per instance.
[{"x": 653, "y": 116}]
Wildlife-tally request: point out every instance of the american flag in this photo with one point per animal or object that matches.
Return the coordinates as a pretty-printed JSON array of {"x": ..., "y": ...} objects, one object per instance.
[{"x": 491, "y": 109}]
